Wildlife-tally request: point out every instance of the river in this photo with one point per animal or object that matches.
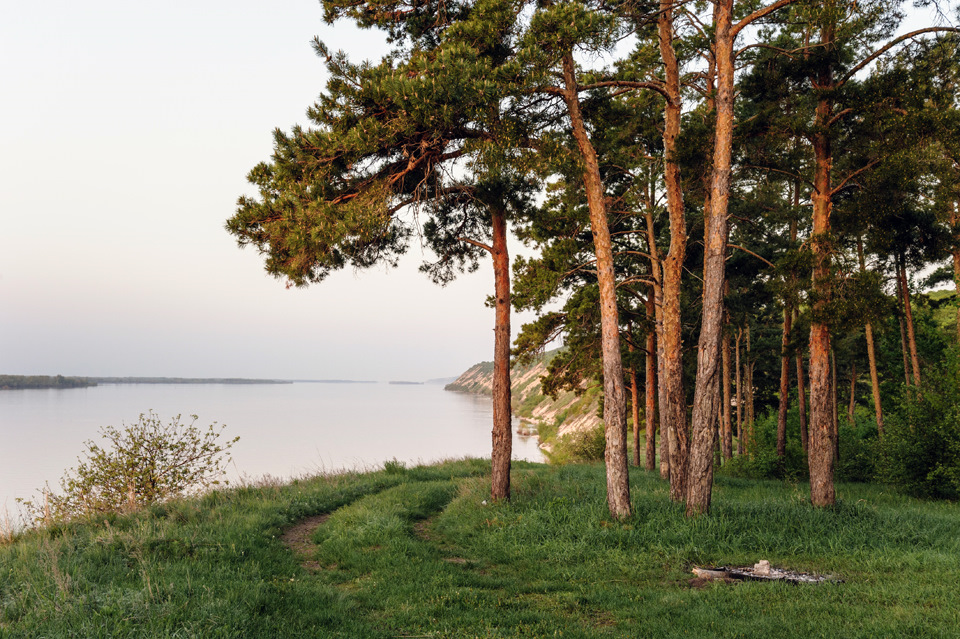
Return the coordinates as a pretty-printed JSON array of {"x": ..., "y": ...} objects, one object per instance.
[{"x": 285, "y": 430}]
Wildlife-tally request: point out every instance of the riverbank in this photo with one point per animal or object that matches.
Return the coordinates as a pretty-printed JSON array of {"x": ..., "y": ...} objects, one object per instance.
[
  {"x": 420, "y": 551},
  {"x": 568, "y": 415}
]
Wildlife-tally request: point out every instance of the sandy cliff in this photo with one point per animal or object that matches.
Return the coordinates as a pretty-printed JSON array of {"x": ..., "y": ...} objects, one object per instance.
[{"x": 553, "y": 418}]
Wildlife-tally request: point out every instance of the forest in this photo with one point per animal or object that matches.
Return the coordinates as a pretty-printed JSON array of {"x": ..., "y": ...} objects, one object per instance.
[{"x": 736, "y": 213}]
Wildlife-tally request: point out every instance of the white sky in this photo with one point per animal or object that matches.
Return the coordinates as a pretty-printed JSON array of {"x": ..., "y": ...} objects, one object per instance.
[{"x": 126, "y": 134}]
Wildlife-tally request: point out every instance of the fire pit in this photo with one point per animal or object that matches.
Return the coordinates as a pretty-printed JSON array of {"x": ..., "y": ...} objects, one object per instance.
[{"x": 761, "y": 571}]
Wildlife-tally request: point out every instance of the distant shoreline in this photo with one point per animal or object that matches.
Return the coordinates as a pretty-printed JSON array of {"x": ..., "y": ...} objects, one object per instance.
[
  {"x": 23, "y": 382},
  {"x": 28, "y": 382}
]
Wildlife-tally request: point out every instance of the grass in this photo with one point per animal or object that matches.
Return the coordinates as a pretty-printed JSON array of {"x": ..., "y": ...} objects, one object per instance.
[{"x": 415, "y": 552}]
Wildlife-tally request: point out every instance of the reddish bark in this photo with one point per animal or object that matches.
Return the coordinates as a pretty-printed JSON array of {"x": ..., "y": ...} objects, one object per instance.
[
  {"x": 908, "y": 316},
  {"x": 903, "y": 330},
  {"x": 657, "y": 392},
  {"x": 650, "y": 384},
  {"x": 784, "y": 403},
  {"x": 871, "y": 353},
  {"x": 614, "y": 397},
  {"x": 635, "y": 410},
  {"x": 673, "y": 413},
  {"x": 820, "y": 445},
  {"x": 502, "y": 415},
  {"x": 706, "y": 400}
]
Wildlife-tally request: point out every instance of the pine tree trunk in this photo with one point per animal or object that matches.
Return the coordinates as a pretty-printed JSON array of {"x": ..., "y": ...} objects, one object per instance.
[
  {"x": 836, "y": 400},
  {"x": 635, "y": 411},
  {"x": 614, "y": 397},
  {"x": 650, "y": 388},
  {"x": 802, "y": 402},
  {"x": 908, "y": 315},
  {"x": 656, "y": 394},
  {"x": 852, "y": 406},
  {"x": 820, "y": 445},
  {"x": 739, "y": 394},
  {"x": 726, "y": 445},
  {"x": 784, "y": 403},
  {"x": 502, "y": 415},
  {"x": 707, "y": 393},
  {"x": 903, "y": 330},
  {"x": 871, "y": 353},
  {"x": 673, "y": 411}
]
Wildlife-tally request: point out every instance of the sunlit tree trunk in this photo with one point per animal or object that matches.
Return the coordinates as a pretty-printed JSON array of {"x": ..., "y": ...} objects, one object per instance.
[
  {"x": 656, "y": 393},
  {"x": 673, "y": 413},
  {"x": 635, "y": 409},
  {"x": 502, "y": 416},
  {"x": 614, "y": 397},
  {"x": 650, "y": 384},
  {"x": 820, "y": 445},
  {"x": 707, "y": 392},
  {"x": 784, "y": 403},
  {"x": 871, "y": 353},
  {"x": 908, "y": 316}
]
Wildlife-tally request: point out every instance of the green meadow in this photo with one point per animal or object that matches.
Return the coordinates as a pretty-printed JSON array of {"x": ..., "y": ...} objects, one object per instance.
[{"x": 418, "y": 552}]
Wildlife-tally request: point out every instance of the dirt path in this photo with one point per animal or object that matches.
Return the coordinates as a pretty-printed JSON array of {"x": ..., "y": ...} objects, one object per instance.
[{"x": 297, "y": 539}]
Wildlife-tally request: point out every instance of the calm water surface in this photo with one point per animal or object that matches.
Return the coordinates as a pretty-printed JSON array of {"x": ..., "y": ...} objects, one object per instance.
[{"x": 285, "y": 430}]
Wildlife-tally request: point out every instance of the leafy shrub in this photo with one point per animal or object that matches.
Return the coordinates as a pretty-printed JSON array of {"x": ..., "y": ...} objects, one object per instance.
[
  {"x": 762, "y": 461},
  {"x": 859, "y": 448},
  {"x": 587, "y": 445},
  {"x": 921, "y": 443},
  {"x": 138, "y": 465}
]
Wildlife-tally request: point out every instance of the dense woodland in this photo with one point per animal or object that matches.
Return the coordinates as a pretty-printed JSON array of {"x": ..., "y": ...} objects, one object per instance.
[{"x": 735, "y": 208}]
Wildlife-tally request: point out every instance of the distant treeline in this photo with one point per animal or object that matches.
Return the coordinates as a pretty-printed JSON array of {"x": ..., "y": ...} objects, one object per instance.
[
  {"x": 14, "y": 382},
  {"x": 185, "y": 380}
]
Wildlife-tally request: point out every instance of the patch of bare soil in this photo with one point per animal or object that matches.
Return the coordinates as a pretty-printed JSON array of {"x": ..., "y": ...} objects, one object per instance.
[
  {"x": 297, "y": 539},
  {"x": 422, "y": 530}
]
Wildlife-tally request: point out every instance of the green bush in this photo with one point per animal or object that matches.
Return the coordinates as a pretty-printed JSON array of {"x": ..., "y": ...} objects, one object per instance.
[
  {"x": 921, "y": 443},
  {"x": 859, "y": 448},
  {"x": 762, "y": 462},
  {"x": 588, "y": 445},
  {"x": 140, "y": 464}
]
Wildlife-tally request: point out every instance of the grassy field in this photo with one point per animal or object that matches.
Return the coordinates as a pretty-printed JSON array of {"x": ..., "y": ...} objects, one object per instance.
[{"x": 415, "y": 552}]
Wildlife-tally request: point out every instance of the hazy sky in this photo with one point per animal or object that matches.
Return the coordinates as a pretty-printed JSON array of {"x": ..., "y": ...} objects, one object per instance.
[{"x": 126, "y": 134}]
